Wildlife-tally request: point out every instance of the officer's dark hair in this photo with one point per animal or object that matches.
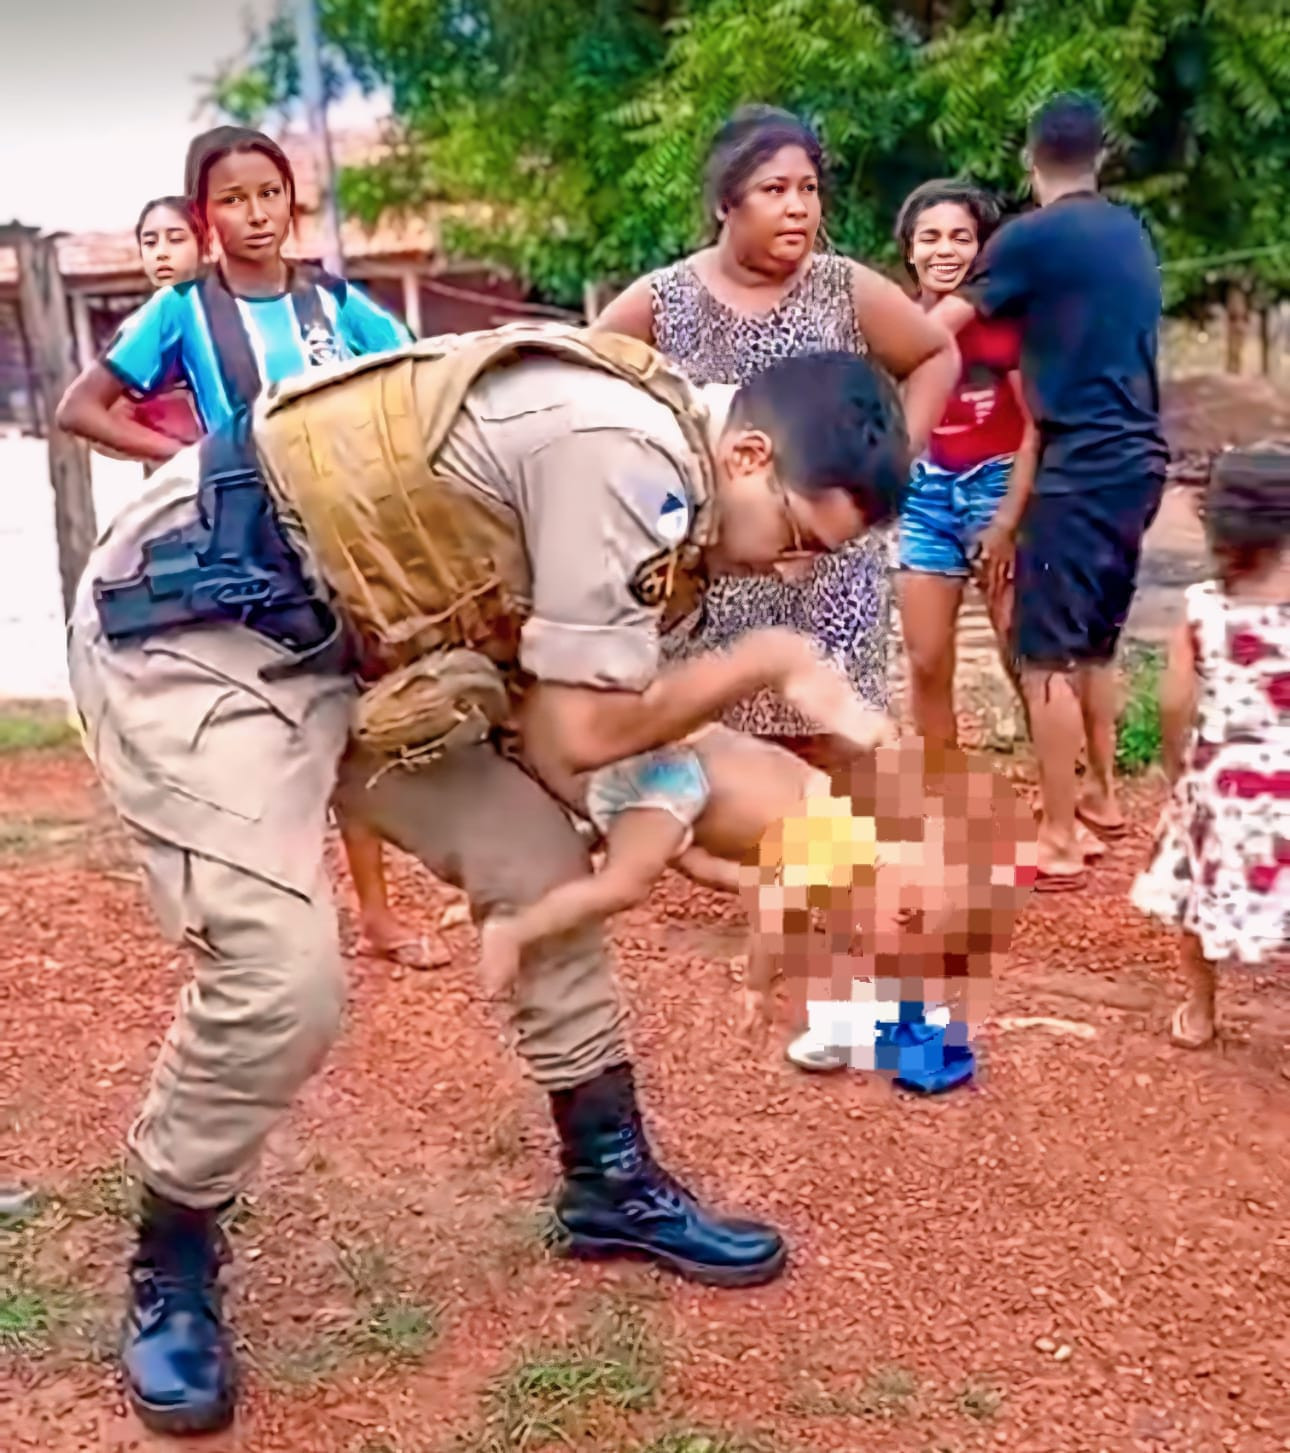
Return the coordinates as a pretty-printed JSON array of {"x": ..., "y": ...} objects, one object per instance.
[
  {"x": 1247, "y": 507},
  {"x": 748, "y": 140},
  {"x": 179, "y": 205},
  {"x": 221, "y": 141},
  {"x": 976, "y": 201},
  {"x": 1067, "y": 134},
  {"x": 836, "y": 422}
]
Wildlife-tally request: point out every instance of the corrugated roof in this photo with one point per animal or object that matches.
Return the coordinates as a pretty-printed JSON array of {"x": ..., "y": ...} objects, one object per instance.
[{"x": 86, "y": 256}]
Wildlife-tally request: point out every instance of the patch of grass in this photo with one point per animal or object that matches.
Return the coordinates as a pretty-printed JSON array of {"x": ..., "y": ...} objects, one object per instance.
[
  {"x": 396, "y": 1330},
  {"x": 385, "y": 1326},
  {"x": 979, "y": 1399},
  {"x": 106, "y": 1191},
  {"x": 691, "y": 1442},
  {"x": 34, "y": 728},
  {"x": 22, "y": 834},
  {"x": 1138, "y": 734},
  {"x": 27, "y": 1321},
  {"x": 887, "y": 1392},
  {"x": 550, "y": 1393}
]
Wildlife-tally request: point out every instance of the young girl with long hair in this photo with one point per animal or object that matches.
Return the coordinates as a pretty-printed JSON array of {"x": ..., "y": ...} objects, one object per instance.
[{"x": 251, "y": 319}]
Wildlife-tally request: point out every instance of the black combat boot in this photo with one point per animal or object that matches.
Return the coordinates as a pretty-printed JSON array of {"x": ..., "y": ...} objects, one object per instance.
[
  {"x": 176, "y": 1352},
  {"x": 618, "y": 1201}
]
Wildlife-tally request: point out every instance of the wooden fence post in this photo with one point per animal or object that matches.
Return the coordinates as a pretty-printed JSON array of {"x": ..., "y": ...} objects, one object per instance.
[{"x": 43, "y": 305}]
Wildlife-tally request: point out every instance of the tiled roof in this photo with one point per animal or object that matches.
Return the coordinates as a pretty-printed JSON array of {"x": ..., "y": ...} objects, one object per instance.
[{"x": 87, "y": 256}]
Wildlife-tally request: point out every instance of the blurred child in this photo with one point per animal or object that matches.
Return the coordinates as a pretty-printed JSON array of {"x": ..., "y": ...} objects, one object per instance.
[
  {"x": 1220, "y": 871},
  {"x": 701, "y": 805},
  {"x": 917, "y": 864}
]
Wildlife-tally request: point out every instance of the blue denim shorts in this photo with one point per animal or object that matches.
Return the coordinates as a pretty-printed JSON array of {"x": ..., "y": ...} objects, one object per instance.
[{"x": 944, "y": 513}]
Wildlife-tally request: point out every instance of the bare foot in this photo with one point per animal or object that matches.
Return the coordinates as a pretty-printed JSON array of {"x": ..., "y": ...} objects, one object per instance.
[
  {"x": 388, "y": 939},
  {"x": 1089, "y": 844},
  {"x": 1192, "y": 1026},
  {"x": 499, "y": 956},
  {"x": 1059, "y": 859}
]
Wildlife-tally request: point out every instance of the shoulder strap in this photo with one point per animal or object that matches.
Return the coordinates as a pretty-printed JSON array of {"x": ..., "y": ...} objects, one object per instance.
[
  {"x": 305, "y": 282},
  {"x": 464, "y": 357},
  {"x": 236, "y": 361}
]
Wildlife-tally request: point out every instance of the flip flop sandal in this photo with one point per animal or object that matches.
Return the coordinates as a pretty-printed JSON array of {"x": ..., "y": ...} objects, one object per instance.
[
  {"x": 1111, "y": 831},
  {"x": 1060, "y": 882},
  {"x": 1180, "y": 1038},
  {"x": 1091, "y": 846},
  {"x": 410, "y": 953}
]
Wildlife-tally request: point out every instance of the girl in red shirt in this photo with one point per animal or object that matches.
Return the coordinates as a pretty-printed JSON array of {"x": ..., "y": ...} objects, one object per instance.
[{"x": 967, "y": 491}]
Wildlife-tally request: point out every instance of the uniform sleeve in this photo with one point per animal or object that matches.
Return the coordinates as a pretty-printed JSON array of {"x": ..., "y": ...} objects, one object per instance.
[
  {"x": 366, "y": 327},
  {"x": 145, "y": 352},
  {"x": 602, "y": 512},
  {"x": 999, "y": 284}
]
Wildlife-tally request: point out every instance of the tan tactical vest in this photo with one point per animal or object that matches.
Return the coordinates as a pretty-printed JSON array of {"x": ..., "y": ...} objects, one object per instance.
[{"x": 430, "y": 573}]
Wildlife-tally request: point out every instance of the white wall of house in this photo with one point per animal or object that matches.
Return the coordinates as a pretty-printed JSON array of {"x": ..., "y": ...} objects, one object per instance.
[{"x": 32, "y": 657}]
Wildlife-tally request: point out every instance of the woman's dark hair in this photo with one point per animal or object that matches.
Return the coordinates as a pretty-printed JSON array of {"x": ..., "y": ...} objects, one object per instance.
[
  {"x": 836, "y": 422},
  {"x": 221, "y": 141},
  {"x": 749, "y": 139},
  {"x": 181, "y": 205},
  {"x": 1247, "y": 506},
  {"x": 976, "y": 200}
]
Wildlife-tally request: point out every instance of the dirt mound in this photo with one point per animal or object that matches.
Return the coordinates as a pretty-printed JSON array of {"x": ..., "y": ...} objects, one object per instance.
[{"x": 1212, "y": 411}]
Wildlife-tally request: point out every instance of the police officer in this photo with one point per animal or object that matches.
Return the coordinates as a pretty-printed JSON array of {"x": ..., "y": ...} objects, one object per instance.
[{"x": 218, "y": 724}]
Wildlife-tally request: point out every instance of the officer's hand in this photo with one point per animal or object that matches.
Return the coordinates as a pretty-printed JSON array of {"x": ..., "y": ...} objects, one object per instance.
[{"x": 499, "y": 956}]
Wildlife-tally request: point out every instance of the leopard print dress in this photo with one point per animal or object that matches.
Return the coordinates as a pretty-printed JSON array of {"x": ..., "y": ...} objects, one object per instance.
[{"x": 844, "y": 602}]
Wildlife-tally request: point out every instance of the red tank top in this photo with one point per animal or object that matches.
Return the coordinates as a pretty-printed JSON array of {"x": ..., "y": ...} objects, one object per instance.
[{"x": 982, "y": 419}]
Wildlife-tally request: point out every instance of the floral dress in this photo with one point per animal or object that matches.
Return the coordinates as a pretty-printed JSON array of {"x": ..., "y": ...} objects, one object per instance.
[
  {"x": 844, "y": 602},
  {"x": 1221, "y": 866}
]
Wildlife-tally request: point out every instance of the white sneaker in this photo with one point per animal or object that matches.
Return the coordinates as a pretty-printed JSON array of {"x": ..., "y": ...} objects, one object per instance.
[{"x": 812, "y": 1052}]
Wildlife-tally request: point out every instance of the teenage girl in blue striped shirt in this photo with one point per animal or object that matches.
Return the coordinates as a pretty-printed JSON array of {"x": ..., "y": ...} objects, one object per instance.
[{"x": 251, "y": 319}]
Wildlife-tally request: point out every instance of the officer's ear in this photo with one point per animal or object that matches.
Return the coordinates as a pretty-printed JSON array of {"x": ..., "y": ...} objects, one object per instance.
[{"x": 747, "y": 451}]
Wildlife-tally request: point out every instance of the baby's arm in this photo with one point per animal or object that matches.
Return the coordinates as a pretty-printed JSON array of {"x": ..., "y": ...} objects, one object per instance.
[{"x": 639, "y": 846}]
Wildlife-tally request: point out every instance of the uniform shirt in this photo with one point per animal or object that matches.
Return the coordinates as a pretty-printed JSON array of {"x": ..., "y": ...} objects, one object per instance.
[
  {"x": 170, "y": 337},
  {"x": 983, "y": 419},
  {"x": 1081, "y": 279},
  {"x": 596, "y": 471}
]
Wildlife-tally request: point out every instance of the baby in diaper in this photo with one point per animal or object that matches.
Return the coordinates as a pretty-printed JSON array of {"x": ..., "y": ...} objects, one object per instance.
[{"x": 701, "y": 805}]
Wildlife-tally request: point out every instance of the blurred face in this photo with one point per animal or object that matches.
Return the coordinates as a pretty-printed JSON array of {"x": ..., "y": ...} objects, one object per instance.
[
  {"x": 943, "y": 247},
  {"x": 761, "y": 521},
  {"x": 248, "y": 207},
  {"x": 778, "y": 213},
  {"x": 168, "y": 247}
]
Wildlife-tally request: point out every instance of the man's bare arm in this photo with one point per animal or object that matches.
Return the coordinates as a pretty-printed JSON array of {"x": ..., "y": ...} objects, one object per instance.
[{"x": 583, "y": 728}]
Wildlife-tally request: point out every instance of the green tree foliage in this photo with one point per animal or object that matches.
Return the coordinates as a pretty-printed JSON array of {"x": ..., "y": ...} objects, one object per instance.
[{"x": 580, "y": 128}]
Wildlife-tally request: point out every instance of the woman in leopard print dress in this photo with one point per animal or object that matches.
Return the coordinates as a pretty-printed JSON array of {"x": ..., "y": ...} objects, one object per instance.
[{"x": 763, "y": 292}]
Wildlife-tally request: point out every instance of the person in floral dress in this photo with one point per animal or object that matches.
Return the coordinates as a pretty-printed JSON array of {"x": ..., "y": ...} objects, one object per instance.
[{"x": 1221, "y": 867}]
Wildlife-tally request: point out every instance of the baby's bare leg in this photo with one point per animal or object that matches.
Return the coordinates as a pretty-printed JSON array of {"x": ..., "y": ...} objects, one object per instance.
[{"x": 638, "y": 847}]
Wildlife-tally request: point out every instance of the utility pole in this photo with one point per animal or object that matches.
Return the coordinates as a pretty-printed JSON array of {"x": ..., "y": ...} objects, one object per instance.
[
  {"x": 43, "y": 306},
  {"x": 314, "y": 95}
]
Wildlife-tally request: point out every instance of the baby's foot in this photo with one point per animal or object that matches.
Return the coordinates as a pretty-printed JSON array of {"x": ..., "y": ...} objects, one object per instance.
[
  {"x": 499, "y": 956},
  {"x": 1192, "y": 1026}
]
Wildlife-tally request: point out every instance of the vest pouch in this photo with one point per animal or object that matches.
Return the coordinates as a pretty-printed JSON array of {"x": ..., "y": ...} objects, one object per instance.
[{"x": 436, "y": 703}]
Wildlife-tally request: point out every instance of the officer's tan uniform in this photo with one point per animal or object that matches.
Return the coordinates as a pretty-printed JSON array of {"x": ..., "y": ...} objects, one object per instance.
[{"x": 225, "y": 779}]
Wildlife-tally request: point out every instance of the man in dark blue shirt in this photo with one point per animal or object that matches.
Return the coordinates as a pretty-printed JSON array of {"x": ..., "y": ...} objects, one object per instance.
[{"x": 1081, "y": 277}]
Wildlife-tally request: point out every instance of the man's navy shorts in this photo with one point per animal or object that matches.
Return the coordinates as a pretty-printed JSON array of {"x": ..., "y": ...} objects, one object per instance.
[{"x": 1077, "y": 566}]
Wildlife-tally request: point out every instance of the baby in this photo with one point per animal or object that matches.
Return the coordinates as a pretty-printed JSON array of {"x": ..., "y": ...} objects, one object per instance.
[{"x": 702, "y": 805}]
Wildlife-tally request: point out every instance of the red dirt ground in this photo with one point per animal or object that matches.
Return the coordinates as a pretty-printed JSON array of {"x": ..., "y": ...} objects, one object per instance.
[{"x": 1095, "y": 1238}]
